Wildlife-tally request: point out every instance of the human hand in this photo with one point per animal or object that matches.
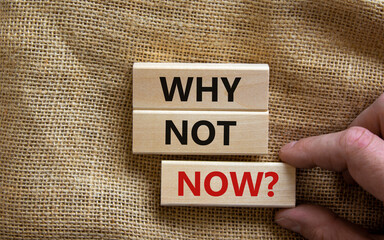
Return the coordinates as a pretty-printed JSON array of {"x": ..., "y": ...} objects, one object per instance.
[{"x": 357, "y": 152}]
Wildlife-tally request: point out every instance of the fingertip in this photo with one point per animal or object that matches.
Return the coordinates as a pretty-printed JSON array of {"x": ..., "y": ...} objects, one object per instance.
[
  {"x": 286, "y": 222},
  {"x": 280, "y": 214},
  {"x": 289, "y": 146},
  {"x": 286, "y": 149},
  {"x": 315, "y": 222},
  {"x": 291, "y": 218},
  {"x": 284, "y": 212}
]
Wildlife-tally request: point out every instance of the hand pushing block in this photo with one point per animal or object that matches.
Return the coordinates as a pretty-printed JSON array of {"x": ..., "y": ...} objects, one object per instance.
[
  {"x": 241, "y": 184},
  {"x": 200, "y": 132},
  {"x": 200, "y": 86}
]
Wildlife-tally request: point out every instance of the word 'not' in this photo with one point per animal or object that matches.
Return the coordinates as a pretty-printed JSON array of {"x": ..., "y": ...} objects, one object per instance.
[{"x": 183, "y": 136}]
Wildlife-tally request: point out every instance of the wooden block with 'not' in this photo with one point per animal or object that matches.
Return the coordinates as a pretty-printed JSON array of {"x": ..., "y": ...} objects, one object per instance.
[
  {"x": 200, "y": 132},
  {"x": 241, "y": 184}
]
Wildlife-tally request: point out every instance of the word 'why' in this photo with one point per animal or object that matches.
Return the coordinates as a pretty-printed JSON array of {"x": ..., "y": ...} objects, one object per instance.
[{"x": 185, "y": 92}]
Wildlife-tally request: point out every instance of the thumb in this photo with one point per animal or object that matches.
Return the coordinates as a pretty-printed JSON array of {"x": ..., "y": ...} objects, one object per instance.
[{"x": 314, "y": 222}]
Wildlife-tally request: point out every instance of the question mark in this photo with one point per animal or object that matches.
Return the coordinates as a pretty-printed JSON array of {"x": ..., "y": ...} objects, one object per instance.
[{"x": 273, "y": 182}]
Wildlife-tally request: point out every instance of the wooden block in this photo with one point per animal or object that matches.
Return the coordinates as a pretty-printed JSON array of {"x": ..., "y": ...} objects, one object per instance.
[
  {"x": 241, "y": 184},
  {"x": 203, "y": 86},
  {"x": 200, "y": 132}
]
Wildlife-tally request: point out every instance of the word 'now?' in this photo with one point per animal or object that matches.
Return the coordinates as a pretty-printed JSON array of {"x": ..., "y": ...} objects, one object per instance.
[{"x": 238, "y": 189}]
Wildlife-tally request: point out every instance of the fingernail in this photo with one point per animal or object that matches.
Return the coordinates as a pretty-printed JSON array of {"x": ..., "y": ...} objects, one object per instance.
[
  {"x": 288, "y": 224},
  {"x": 289, "y": 145}
]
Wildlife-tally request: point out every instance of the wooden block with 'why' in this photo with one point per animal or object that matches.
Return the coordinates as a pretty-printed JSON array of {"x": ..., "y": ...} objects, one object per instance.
[
  {"x": 202, "y": 86},
  {"x": 241, "y": 184},
  {"x": 200, "y": 132}
]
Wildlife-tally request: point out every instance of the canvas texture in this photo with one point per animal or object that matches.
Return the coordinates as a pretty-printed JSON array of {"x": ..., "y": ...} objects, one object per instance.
[{"x": 66, "y": 166}]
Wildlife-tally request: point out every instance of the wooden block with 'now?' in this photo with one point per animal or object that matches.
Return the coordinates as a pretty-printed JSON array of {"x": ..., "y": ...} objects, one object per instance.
[{"x": 241, "y": 184}]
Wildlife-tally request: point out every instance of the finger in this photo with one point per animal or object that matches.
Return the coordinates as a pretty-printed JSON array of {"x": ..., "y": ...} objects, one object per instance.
[
  {"x": 314, "y": 222},
  {"x": 356, "y": 149},
  {"x": 372, "y": 118}
]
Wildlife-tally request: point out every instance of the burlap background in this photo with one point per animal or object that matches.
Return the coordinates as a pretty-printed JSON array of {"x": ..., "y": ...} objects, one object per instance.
[{"x": 66, "y": 166}]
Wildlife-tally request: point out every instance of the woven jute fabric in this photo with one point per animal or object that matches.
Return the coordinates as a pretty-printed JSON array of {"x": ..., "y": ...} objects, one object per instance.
[{"x": 66, "y": 166}]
